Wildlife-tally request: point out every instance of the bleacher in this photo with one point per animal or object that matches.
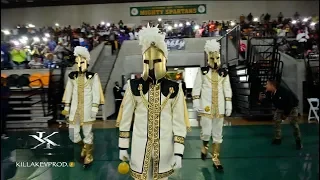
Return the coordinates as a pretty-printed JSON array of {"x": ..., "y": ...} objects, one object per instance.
[{"x": 29, "y": 97}]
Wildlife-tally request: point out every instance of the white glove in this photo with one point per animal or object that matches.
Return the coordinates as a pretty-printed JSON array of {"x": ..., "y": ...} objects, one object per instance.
[
  {"x": 228, "y": 108},
  {"x": 196, "y": 105},
  {"x": 123, "y": 155},
  {"x": 198, "y": 109},
  {"x": 177, "y": 162},
  {"x": 93, "y": 114},
  {"x": 228, "y": 112}
]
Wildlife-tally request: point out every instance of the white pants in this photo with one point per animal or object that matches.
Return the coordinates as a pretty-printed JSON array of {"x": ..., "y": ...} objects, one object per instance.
[
  {"x": 211, "y": 128},
  {"x": 74, "y": 133}
]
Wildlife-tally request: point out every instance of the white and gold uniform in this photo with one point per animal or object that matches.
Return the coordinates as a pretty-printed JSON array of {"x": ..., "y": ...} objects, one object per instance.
[
  {"x": 156, "y": 107},
  {"x": 212, "y": 95},
  {"x": 82, "y": 97}
]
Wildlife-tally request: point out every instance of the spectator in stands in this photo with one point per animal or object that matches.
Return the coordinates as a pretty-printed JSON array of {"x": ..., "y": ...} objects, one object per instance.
[
  {"x": 5, "y": 56},
  {"x": 59, "y": 50},
  {"x": 112, "y": 38},
  {"x": 136, "y": 34},
  {"x": 120, "y": 24},
  {"x": 49, "y": 61},
  {"x": 117, "y": 90},
  {"x": 286, "y": 104},
  {"x": 5, "y": 93},
  {"x": 212, "y": 28},
  {"x": 280, "y": 17},
  {"x": 250, "y": 17},
  {"x": 296, "y": 16},
  {"x": 18, "y": 56},
  {"x": 35, "y": 63},
  {"x": 52, "y": 45}
]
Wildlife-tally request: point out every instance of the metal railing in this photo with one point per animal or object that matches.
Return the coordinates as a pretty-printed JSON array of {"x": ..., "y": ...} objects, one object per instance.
[
  {"x": 234, "y": 33},
  {"x": 33, "y": 91}
]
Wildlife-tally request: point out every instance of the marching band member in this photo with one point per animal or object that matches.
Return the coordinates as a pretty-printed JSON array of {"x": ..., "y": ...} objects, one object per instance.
[
  {"x": 212, "y": 100},
  {"x": 82, "y": 97},
  {"x": 160, "y": 114}
]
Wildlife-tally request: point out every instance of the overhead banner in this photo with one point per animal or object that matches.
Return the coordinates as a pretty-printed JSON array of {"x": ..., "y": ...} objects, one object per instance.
[
  {"x": 168, "y": 10},
  {"x": 175, "y": 44}
]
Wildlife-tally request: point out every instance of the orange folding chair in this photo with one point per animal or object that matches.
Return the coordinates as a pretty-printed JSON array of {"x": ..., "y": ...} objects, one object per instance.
[{"x": 35, "y": 80}]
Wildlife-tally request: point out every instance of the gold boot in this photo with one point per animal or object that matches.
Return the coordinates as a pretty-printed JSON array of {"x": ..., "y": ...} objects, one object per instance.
[
  {"x": 215, "y": 156},
  {"x": 204, "y": 150},
  {"x": 83, "y": 150},
  {"x": 80, "y": 143},
  {"x": 88, "y": 157}
]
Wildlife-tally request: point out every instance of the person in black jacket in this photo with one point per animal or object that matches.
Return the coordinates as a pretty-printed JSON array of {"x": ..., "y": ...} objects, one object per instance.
[
  {"x": 286, "y": 104},
  {"x": 117, "y": 92}
]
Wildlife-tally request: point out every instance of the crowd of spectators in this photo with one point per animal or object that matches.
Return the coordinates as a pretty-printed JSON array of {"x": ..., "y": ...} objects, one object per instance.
[{"x": 28, "y": 47}]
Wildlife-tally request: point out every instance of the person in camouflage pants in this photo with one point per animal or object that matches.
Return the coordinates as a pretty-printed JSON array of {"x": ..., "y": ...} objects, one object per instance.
[{"x": 286, "y": 105}]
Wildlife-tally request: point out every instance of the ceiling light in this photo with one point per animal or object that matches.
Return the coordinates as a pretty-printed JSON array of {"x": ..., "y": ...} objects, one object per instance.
[{"x": 57, "y": 24}]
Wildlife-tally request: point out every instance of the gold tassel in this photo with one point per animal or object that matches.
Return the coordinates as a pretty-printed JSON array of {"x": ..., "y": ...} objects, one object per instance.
[
  {"x": 120, "y": 113},
  {"x": 186, "y": 117},
  {"x": 101, "y": 93}
]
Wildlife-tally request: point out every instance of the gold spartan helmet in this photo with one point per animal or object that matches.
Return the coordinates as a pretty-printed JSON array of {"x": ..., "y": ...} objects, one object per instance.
[
  {"x": 212, "y": 48},
  {"x": 214, "y": 59},
  {"x": 154, "y": 60},
  {"x": 82, "y": 63}
]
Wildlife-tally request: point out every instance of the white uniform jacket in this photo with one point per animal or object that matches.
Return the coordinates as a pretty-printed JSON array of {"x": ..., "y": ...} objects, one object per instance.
[
  {"x": 210, "y": 92},
  {"x": 160, "y": 118},
  {"x": 82, "y": 96}
]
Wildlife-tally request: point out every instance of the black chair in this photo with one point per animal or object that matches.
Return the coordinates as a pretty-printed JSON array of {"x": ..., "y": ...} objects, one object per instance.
[
  {"x": 12, "y": 80},
  {"x": 23, "y": 80}
]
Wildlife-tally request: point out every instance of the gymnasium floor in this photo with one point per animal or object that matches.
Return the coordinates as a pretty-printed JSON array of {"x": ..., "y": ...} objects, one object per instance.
[{"x": 246, "y": 155}]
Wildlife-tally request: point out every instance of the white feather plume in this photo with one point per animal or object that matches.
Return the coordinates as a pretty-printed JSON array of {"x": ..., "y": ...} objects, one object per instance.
[
  {"x": 211, "y": 46},
  {"x": 82, "y": 51},
  {"x": 149, "y": 35}
]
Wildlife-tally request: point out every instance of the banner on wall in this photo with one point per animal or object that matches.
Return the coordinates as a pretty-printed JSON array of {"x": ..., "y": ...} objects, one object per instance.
[
  {"x": 175, "y": 44},
  {"x": 168, "y": 10}
]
